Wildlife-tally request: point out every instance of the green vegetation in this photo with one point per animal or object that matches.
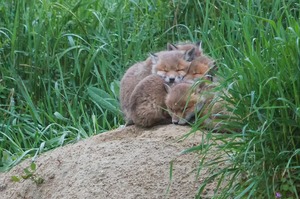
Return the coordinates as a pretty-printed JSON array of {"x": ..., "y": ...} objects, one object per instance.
[
  {"x": 29, "y": 173},
  {"x": 61, "y": 62}
]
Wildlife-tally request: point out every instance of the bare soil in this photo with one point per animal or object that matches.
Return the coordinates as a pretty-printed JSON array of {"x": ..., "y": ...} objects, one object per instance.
[{"x": 125, "y": 163}]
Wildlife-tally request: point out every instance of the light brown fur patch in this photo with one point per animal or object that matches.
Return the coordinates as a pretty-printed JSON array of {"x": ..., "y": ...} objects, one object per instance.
[
  {"x": 147, "y": 103},
  {"x": 131, "y": 78},
  {"x": 181, "y": 102}
]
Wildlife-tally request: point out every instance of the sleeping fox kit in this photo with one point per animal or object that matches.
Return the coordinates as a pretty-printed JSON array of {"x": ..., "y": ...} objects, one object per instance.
[
  {"x": 176, "y": 102},
  {"x": 171, "y": 66},
  {"x": 149, "y": 88},
  {"x": 200, "y": 68},
  {"x": 185, "y": 100}
]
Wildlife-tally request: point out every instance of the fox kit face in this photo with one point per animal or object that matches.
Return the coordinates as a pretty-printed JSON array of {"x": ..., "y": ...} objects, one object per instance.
[
  {"x": 187, "y": 46},
  {"x": 172, "y": 66},
  {"x": 199, "y": 68},
  {"x": 184, "y": 100},
  {"x": 181, "y": 102}
]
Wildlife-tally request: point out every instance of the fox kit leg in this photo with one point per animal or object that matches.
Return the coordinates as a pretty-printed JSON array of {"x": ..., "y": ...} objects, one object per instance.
[{"x": 147, "y": 107}]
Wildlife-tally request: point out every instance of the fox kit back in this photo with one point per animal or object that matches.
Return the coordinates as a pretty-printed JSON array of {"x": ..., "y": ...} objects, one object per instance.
[
  {"x": 147, "y": 102},
  {"x": 131, "y": 78}
]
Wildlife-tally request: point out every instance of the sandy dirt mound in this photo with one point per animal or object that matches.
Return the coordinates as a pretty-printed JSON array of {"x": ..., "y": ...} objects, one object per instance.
[{"x": 125, "y": 163}]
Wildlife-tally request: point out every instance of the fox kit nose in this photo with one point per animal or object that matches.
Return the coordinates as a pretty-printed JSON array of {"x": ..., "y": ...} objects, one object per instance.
[{"x": 172, "y": 80}]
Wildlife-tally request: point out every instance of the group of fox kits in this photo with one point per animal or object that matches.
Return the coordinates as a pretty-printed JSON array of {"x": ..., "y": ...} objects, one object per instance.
[{"x": 162, "y": 89}]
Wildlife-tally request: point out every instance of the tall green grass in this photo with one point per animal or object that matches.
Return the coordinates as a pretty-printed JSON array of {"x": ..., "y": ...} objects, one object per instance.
[
  {"x": 259, "y": 44},
  {"x": 61, "y": 62}
]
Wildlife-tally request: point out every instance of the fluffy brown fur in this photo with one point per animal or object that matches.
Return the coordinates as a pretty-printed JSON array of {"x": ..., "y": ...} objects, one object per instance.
[
  {"x": 199, "y": 68},
  {"x": 172, "y": 66},
  {"x": 131, "y": 78},
  {"x": 147, "y": 102},
  {"x": 184, "y": 101},
  {"x": 181, "y": 102}
]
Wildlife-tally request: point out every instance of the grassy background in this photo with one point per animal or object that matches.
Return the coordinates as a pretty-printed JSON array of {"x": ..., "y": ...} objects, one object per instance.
[{"x": 61, "y": 62}]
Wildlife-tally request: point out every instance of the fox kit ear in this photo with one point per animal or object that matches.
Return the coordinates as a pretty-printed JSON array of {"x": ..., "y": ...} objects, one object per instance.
[
  {"x": 189, "y": 55},
  {"x": 199, "y": 44},
  {"x": 171, "y": 47},
  {"x": 154, "y": 58},
  {"x": 167, "y": 87}
]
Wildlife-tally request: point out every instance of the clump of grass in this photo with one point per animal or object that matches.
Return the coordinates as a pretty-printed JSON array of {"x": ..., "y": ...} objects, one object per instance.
[
  {"x": 29, "y": 173},
  {"x": 261, "y": 72}
]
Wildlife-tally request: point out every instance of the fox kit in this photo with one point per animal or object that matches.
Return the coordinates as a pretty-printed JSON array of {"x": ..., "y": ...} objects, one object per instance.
[
  {"x": 199, "y": 68},
  {"x": 176, "y": 102},
  {"x": 147, "y": 102},
  {"x": 171, "y": 66},
  {"x": 184, "y": 101},
  {"x": 187, "y": 46}
]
